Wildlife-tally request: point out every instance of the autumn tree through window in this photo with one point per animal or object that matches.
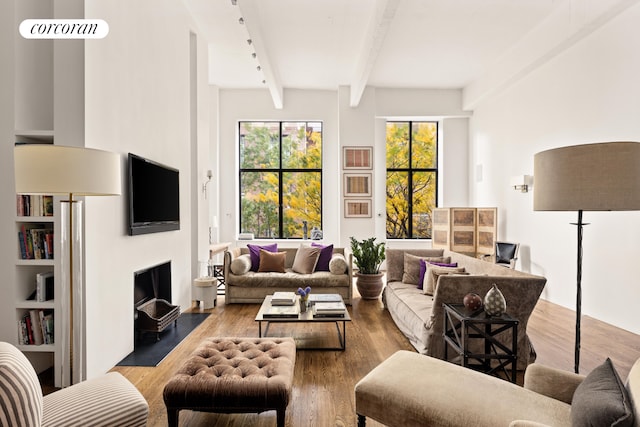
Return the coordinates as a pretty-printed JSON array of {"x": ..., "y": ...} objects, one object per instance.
[
  {"x": 412, "y": 174},
  {"x": 280, "y": 178}
]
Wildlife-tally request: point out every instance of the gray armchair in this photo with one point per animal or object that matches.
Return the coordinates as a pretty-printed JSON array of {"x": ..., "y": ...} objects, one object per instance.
[{"x": 108, "y": 400}]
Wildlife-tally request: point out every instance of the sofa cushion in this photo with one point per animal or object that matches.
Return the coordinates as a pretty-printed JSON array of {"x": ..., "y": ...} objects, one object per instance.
[
  {"x": 254, "y": 252},
  {"x": 305, "y": 260},
  {"x": 411, "y": 273},
  {"x": 241, "y": 264},
  {"x": 272, "y": 262},
  {"x": 602, "y": 400},
  {"x": 325, "y": 256},
  {"x": 338, "y": 264},
  {"x": 433, "y": 273},
  {"x": 423, "y": 269}
]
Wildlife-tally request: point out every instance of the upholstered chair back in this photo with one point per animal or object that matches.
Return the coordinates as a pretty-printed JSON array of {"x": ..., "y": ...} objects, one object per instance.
[{"x": 20, "y": 392}]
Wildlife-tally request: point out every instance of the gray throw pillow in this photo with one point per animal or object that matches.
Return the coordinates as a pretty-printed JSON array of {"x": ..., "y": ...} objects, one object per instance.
[
  {"x": 306, "y": 259},
  {"x": 602, "y": 400}
]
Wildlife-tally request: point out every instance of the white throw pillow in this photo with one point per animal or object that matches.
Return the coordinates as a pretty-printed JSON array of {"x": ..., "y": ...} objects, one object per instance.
[
  {"x": 241, "y": 264},
  {"x": 305, "y": 260},
  {"x": 338, "y": 264}
]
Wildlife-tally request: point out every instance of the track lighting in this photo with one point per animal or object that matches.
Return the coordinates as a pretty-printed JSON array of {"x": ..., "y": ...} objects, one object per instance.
[{"x": 241, "y": 21}]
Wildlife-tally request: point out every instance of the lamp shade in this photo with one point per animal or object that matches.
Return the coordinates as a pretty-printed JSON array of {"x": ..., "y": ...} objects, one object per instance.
[
  {"x": 56, "y": 169},
  {"x": 590, "y": 177}
]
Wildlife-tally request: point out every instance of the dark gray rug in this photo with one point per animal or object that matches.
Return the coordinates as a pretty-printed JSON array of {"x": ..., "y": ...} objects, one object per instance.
[{"x": 149, "y": 352}]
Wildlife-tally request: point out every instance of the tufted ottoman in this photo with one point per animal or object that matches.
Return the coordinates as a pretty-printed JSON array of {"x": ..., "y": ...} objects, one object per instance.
[{"x": 228, "y": 375}]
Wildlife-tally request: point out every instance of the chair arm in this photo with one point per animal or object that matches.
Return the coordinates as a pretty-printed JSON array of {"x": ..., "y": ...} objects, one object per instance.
[{"x": 552, "y": 382}]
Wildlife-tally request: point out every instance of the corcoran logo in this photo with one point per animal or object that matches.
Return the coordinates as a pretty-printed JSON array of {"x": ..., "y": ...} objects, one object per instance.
[{"x": 64, "y": 29}]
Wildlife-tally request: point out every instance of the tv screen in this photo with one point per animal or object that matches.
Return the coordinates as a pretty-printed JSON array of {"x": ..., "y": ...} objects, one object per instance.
[{"x": 154, "y": 196}]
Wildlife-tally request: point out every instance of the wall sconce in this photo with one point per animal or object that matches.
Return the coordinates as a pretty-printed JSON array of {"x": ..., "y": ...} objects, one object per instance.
[
  {"x": 522, "y": 183},
  {"x": 204, "y": 186}
]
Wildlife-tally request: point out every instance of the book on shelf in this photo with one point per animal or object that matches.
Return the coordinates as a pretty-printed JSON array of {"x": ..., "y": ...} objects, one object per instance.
[
  {"x": 329, "y": 309},
  {"x": 44, "y": 286},
  {"x": 283, "y": 298},
  {"x": 314, "y": 298},
  {"x": 34, "y": 205},
  {"x": 36, "y": 327},
  {"x": 35, "y": 241},
  {"x": 282, "y": 311}
]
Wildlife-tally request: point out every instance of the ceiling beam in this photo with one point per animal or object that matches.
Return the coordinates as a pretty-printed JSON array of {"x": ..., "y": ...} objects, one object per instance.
[
  {"x": 250, "y": 13},
  {"x": 376, "y": 33},
  {"x": 570, "y": 22}
]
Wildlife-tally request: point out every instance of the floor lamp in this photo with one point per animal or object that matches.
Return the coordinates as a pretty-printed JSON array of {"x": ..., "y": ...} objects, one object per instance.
[
  {"x": 69, "y": 171},
  {"x": 590, "y": 177}
]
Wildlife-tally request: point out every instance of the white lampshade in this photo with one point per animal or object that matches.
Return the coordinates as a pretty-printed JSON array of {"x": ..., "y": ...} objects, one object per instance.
[
  {"x": 55, "y": 169},
  {"x": 590, "y": 177}
]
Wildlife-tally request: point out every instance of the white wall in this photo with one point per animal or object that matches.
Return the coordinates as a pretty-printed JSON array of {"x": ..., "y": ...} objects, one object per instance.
[
  {"x": 590, "y": 93},
  {"x": 343, "y": 126},
  {"x": 137, "y": 100}
]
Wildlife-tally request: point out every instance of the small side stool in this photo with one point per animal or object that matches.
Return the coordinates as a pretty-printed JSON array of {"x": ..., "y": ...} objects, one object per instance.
[{"x": 204, "y": 290}]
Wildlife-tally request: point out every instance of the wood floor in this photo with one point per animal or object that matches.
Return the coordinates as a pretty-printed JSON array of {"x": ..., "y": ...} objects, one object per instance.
[{"x": 324, "y": 380}]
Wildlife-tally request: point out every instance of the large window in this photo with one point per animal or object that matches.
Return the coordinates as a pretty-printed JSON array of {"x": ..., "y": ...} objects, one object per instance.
[
  {"x": 280, "y": 178},
  {"x": 412, "y": 175}
]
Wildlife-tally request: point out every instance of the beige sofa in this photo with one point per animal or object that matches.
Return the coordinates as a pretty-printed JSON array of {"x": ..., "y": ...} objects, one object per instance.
[
  {"x": 400, "y": 392},
  {"x": 253, "y": 287},
  {"x": 421, "y": 317}
]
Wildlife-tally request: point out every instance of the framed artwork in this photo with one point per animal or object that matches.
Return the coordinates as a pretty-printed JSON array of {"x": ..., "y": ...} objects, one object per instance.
[
  {"x": 357, "y": 185},
  {"x": 357, "y": 157},
  {"x": 357, "y": 208}
]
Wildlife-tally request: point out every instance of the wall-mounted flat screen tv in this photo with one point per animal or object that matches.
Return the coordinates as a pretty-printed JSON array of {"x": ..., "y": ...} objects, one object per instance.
[{"x": 154, "y": 196}]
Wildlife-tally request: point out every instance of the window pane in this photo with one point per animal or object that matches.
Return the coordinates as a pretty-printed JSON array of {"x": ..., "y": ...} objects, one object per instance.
[
  {"x": 301, "y": 145},
  {"x": 423, "y": 144},
  {"x": 302, "y": 201},
  {"x": 424, "y": 200},
  {"x": 397, "y": 205},
  {"x": 259, "y": 204},
  {"x": 397, "y": 145},
  {"x": 259, "y": 145}
]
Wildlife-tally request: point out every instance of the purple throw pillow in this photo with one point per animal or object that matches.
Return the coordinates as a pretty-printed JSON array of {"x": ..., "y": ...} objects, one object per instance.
[
  {"x": 423, "y": 269},
  {"x": 254, "y": 253},
  {"x": 443, "y": 264},
  {"x": 325, "y": 256}
]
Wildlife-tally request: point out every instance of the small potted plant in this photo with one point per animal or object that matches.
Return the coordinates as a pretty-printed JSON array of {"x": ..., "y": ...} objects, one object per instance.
[{"x": 368, "y": 257}]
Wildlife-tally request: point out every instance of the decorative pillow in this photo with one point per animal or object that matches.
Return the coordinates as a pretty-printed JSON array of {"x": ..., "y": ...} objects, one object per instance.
[
  {"x": 432, "y": 275},
  {"x": 325, "y": 256},
  {"x": 306, "y": 259},
  {"x": 338, "y": 264},
  {"x": 602, "y": 400},
  {"x": 412, "y": 267},
  {"x": 272, "y": 261},
  {"x": 254, "y": 252},
  {"x": 423, "y": 269},
  {"x": 241, "y": 264}
]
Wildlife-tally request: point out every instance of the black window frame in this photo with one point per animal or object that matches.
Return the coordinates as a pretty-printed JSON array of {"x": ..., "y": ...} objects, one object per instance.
[
  {"x": 280, "y": 172},
  {"x": 410, "y": 170}
]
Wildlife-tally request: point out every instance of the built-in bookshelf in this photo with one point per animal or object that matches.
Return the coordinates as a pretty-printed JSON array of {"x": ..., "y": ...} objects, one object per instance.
[{"x": 36, "y": 288}]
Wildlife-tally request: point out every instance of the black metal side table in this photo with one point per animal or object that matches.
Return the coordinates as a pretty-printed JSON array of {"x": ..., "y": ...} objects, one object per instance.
[{"x": 481, "y": 341}]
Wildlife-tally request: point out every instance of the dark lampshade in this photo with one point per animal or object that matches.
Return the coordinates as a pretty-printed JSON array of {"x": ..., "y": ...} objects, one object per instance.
[{"x": 590, "y": 177}]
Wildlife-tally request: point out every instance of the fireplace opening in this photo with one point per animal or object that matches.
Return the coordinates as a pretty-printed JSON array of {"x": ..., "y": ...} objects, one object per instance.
[
  {"x": 152, "y": 282},
  {"x": 153, "y": 310}
]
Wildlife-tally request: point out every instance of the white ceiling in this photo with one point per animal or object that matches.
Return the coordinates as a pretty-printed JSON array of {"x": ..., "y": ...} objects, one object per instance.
[{"x": 323, "y": 44}]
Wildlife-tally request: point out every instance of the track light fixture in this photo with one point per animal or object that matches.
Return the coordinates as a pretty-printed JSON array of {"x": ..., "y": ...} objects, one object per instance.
[
  {"x": 249, "y": 41},
  {"x": 253, "y": 55},
  {"x": 241, "y": 21},
  {"x": 258, "y": 68}
]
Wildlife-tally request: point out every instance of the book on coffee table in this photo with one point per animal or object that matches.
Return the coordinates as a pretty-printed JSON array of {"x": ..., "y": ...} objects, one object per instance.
[
  {"x": 329, "y": 309},
  {"x": 283, "y": 298},
  {"x": 314, "y": 298},
  {"x": 281, "y": 311}
]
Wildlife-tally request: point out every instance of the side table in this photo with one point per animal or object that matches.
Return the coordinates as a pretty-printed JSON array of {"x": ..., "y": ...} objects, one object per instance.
[{"x": 481, "y": 341}]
